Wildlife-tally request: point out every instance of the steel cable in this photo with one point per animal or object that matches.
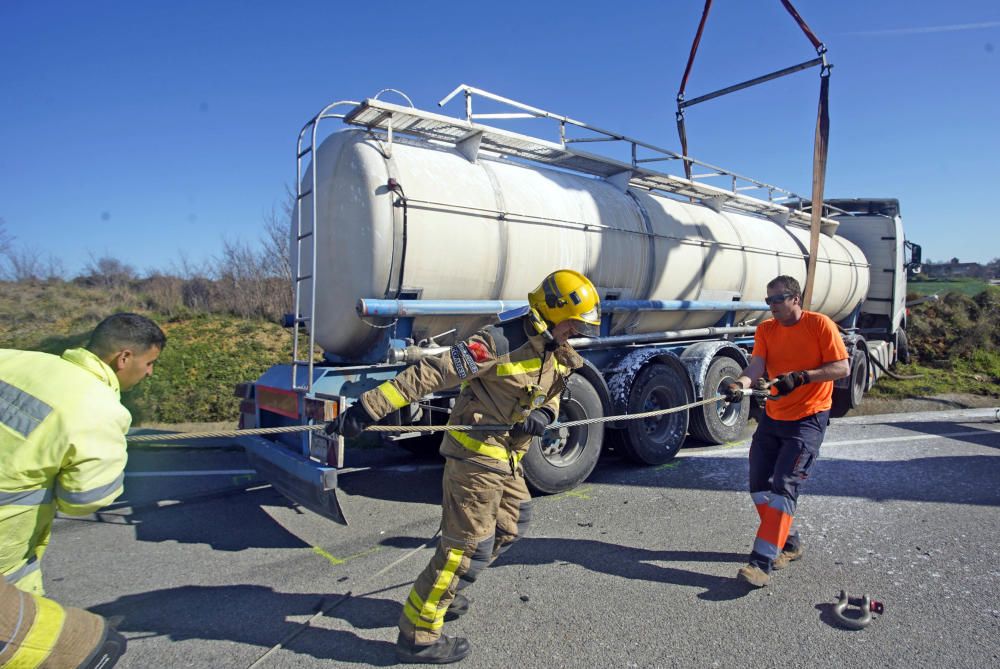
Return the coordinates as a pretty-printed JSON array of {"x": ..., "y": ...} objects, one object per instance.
[{"x": 413, "y": 428}]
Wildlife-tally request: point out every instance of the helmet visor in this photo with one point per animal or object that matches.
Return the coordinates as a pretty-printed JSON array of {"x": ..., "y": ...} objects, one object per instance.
[{"x": 588, "y": 324}]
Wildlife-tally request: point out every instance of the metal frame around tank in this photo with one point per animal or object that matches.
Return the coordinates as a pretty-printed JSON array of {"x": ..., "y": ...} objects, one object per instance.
[{"x": 469, "y": 138}]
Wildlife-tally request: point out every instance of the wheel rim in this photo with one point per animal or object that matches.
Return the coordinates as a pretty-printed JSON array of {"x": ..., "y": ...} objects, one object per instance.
[
  {"x": 729, "y": 412},
  {"x": 658, "y": 428}
]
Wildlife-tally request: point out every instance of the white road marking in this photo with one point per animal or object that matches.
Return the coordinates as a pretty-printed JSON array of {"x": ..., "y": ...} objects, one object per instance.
[
  {"x": 197, "y": 472},
  {"x": 915, "y": 437}
]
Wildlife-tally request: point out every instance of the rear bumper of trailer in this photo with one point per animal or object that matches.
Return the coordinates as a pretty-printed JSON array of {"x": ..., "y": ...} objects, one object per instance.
[{"x": 300, "y": 479}]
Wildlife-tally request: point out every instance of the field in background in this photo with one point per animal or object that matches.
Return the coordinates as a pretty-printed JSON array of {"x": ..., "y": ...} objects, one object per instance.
[
  {"x": 968, "y": 287},
  {"x": 206, "y": 354},
  {"x": 216, "y": 341}
]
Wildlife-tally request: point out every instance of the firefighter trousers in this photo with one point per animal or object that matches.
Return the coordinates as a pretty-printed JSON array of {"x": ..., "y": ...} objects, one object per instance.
[
  {"x": 782, "y": 454},
  {"x": 482, "y": 513},
  {"x": 38, "y": 632}
]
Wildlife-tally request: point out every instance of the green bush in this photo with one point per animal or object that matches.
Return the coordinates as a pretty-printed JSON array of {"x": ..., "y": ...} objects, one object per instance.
[
  {"x": 205, "y": 357},
  {"x": 956, "y": 345},
  {"x": 206, "y": 354}
]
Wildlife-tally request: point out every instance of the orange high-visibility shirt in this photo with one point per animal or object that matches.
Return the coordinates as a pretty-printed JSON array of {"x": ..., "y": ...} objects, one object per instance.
[{"x": 809, "y": 344}]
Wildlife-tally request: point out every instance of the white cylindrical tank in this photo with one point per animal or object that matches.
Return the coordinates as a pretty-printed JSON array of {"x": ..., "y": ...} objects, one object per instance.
[{"x": 491, "y": 230}]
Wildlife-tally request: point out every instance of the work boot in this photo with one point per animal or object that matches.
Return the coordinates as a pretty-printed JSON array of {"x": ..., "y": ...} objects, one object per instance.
[
  {"x": 753, "y": 575},
  {"x": 445, "y": 650},
  {"x": 788, "y": 556},
  {"x": 459, "y": 607}
]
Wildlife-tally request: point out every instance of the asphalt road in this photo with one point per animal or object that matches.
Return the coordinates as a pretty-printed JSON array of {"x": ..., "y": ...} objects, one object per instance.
[{"x": 633, "y": 569}]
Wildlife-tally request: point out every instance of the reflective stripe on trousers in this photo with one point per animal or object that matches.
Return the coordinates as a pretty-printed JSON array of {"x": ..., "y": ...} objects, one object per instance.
[
  {"x": 483, "y": 512},
  {"x": 782, "y": 454}
]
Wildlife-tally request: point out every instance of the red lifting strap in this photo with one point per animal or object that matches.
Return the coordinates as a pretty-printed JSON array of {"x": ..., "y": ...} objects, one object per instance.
[
  {"x": 694, "y": 48},
  {"x": 802, "y": 24}
]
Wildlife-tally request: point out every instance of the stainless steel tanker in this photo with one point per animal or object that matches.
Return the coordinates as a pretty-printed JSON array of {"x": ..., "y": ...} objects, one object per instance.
[
  {"x": 417, "y": 228},
  {"x": 492, "y": 228}
]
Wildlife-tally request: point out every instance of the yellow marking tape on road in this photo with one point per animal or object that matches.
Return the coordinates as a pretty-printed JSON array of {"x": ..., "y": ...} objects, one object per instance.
[
  {"x": 338, "y": 561},
  {"x": 579, "y": 493}
]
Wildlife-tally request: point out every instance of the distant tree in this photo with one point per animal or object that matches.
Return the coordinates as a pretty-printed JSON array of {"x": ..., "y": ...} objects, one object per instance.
[
  {"x": 27, "y": 263},
  {"x": 107, "y": 271},
  {"x": 276, "y": 241},
  {"x": 24, "y": 264},
  {"x": 6, "y": 240}
]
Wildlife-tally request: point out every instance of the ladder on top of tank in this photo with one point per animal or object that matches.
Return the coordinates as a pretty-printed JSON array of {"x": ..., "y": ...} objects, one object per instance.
[{"x": 469, "y": 138}]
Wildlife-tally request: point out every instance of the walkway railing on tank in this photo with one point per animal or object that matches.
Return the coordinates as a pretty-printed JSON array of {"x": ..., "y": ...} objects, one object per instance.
[{"x": 738, "y": 183}]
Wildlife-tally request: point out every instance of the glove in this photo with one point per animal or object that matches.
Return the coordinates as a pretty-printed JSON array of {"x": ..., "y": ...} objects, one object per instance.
[
  {"x": 786, "y": 383},
  {"x": 732, "y": 389},
  {"x": 534, "y": 425},
  {"x": 351, "y": 423}
]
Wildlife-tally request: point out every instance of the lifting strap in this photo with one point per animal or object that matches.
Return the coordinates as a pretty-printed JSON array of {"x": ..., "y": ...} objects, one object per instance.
[
  {"x": 684, "y": 80},
  {"x": 822, "y": 124},
  {"x": 819, "y": 178}
]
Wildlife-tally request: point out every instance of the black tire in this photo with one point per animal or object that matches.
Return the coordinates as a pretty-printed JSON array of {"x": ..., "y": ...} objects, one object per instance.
[
  {"x": 845, "y": 399},
  {"x": 564, "y": 458},
  {"x": 902, "y": 347},
  {"x": 425, "y": 447},
  {"x": 721, "y": 422},
  {"x": 653, "y": 441},
  {"x": 616, "y": 441}
]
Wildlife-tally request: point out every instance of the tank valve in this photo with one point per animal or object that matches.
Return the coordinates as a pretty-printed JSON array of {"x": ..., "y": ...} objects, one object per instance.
[{"x": 411, "y": 354}]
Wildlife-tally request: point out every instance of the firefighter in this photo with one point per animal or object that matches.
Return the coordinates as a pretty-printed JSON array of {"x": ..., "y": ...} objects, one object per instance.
[
  {"x": 805, "y": 353},
  {"x": 511, "y": 374},
  {"x": 62, "y": 447}
]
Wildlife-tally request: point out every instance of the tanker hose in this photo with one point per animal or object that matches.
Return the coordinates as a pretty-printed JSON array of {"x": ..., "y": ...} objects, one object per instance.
[{"x": 898, "y": 377}]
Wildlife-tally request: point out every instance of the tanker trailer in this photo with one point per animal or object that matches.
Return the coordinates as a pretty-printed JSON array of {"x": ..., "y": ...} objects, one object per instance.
[{"x": 412, "y": 230}]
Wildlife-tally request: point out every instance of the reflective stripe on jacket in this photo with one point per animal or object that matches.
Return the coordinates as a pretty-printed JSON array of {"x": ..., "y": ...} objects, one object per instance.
[
  {"x": 503, "y": 372},
  {"x": 62, "y": 447}
]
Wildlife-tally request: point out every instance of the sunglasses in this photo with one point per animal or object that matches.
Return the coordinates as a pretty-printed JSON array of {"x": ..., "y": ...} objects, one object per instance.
[{"x": 777, "y": 299}]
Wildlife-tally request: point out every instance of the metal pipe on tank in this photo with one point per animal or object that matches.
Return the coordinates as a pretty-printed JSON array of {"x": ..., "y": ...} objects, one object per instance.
[
  {"x": 669, "y": 335},
  {"x": 405, "y": 308}
]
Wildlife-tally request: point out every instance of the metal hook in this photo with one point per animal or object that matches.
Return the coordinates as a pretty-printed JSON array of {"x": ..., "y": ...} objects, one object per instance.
[{"x": 866, "y": 604}]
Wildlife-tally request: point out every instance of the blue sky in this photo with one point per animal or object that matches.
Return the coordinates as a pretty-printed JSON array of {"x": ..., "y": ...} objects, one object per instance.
[{"x": 154, "y": 130}]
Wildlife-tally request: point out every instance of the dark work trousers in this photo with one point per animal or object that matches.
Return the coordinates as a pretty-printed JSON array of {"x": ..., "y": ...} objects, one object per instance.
[{"x": 782, "y": 454}]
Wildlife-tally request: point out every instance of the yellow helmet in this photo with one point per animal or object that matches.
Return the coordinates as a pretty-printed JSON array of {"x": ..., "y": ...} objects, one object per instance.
[{"x": 566, "y": 294}]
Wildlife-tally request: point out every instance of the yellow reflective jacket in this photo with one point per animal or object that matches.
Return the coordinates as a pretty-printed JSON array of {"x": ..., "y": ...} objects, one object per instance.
[{"x": 62, "y": 447}]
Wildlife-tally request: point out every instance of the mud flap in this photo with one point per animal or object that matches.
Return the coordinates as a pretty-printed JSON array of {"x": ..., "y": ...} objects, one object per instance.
[{"x": 301, "y": 480}]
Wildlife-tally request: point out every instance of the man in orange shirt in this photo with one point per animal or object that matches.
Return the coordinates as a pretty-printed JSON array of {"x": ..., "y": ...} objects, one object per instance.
[{"x": 804, "y": 353}]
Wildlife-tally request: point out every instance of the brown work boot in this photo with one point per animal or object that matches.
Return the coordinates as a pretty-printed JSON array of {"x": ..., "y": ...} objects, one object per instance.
[
  {"x": 787, "y": 556},
  {"x": 459, "y": 607},
  {"x": 753, "y": 575},
  {"x": 445, "y": 650}
]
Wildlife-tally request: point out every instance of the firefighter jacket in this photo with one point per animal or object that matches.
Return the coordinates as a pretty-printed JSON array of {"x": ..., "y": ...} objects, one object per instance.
[
  {"x": 504, "y": 374},
  {"x": 62, "y": 447}
]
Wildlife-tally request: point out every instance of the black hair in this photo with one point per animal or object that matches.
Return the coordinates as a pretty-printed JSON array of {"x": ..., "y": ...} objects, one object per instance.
[
  {"x": 121, "y": 331},
  {"x": 790, "y": 283}
]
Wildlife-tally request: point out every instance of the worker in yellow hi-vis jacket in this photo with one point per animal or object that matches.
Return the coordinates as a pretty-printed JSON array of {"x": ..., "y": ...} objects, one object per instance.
[
  {"x": 62, "y": 448},
  {"x": 512, "y": 374}
]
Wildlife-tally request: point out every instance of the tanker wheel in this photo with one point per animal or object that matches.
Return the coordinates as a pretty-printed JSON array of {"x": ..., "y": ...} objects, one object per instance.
[
  {"x": 653, "y": 441},
  {"x": 721, "y": 422},
  {"x": 845, "y": 399},
  {"x": 902, "y": 347},
  {"x": 563, "y": 458}
]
